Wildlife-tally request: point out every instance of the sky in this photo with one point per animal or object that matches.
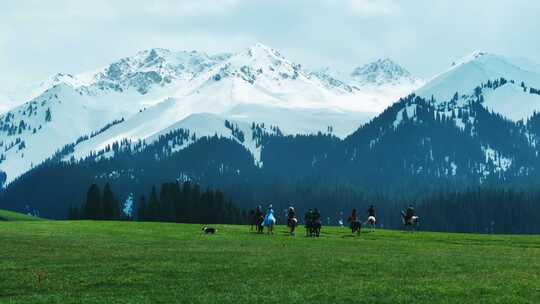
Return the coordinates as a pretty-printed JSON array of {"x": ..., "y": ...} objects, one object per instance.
[{"x": 40, "y": 38}]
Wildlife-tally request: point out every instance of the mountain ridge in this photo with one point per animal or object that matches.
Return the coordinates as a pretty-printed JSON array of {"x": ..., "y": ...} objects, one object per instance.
[
  {"x": 158, "y": 88},
  {"x": 141, "y": 98}
]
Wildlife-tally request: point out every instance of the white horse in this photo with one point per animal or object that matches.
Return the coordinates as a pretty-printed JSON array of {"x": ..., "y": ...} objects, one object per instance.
[
  {"x": 412, "y": 223},
  {"x": 292, "y": 223},
  {"x": 371, "y": 221}
]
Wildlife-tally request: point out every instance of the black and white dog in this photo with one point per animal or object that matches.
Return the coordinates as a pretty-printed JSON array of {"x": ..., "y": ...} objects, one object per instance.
[{"x": 209, "y": 230}]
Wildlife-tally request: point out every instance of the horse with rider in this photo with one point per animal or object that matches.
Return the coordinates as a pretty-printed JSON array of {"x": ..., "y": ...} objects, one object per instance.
[
  {"x": 371, "y": 219},
  {"x": 409, "y": 218},
  {"x": 312, "y": 222},
  {"x": 356, "y": 224},
  {"x": 292, "y": 221},
  {"x": 269, "y": 220},
  {"x": 259, "y": 219}
]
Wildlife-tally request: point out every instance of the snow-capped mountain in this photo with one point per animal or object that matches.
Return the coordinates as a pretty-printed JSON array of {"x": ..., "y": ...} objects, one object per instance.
[
  {"x": 377, "y": 84},
  {"x": 513, "y": 99},
  {"x": 142, "y": 96},
  {"x": 73, "y": 106},
  {"x": 332, "y": 80},
  {"x": 134, "y": 128},
  {"x": 382, "y": 72},
  {"x": 489, "y": 105},
  {"x": 14, "y": 97},
  {"x": 256, "y": 85},
  {"x": 155, "y": 67}
]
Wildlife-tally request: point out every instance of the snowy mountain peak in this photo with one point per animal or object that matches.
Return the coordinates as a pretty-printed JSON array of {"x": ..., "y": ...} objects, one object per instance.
[
  {"x": 60, "y": 78},
  {"x": 474, "y": 56},
  {"x": 153, "y": 67},
  {"x": 153, "y": 57},
  {"x": 257, "y": 63},
  {"x": 381, "y": 72},
  {"x": 477, "y": 68},
  {"x": 260, "y": 49},
  {"x": 477, "y": 54},
  {"x": 262, "y": 55}
]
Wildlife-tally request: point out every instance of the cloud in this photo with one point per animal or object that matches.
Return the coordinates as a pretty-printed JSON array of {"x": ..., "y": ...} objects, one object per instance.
[
  {"x": 39, "y": 38},
  {"x": 55, "y": 10},
  {"x": 194, "y": 8},
  {"x": 373, "y": 8}
]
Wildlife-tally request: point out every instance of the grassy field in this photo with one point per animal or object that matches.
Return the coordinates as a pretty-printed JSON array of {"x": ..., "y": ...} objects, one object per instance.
[
  {"x": 129, "y": 262},
  {"x": 14, "y": 216}
]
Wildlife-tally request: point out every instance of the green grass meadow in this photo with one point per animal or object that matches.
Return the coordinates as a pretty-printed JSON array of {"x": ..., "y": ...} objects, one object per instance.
[
  {"x": 133, "y": 262},
  {"x": 14, "y": 216}
]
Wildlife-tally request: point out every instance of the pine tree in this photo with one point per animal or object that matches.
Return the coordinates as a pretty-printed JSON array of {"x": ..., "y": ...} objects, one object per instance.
[
  {"x": 219, "y": 207},
  {"x": 93, "y": 207},
  {"x": 111, "y": 209},
  {"x": 142, "y": 210},
  {"x": 456, "y": 97},
  {"x": 405, "y": 115},
  {"x": 166, "y": 197},
  {"x": 48, "y": 115},
  {"x": 187, "y": 215},
  {"x": 477, "y": 91},
  {"x": 153, "y": 206}
]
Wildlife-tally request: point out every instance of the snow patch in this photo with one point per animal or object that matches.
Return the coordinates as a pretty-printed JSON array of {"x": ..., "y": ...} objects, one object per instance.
[{"x": 501, "y": 163}]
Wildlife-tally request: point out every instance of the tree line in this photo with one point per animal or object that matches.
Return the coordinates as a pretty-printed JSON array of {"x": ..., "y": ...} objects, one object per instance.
[
  {"x": 483, "y": 210},
  {"x": 187, "y": 203},
  {"x": 176, "y": 202},
  {"x": 99, "y": 205}
]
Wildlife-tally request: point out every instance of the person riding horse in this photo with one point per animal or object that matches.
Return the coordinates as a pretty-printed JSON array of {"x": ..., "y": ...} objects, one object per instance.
[
  {"x": 354, "y": 222},
  {"x": 409, "y": 213},
  {"x": 269, "y": 220},
  {"x": 409, "y": 217},
  {"x": 259, "y": 219},
  {"x": 291, "y": 220},
  {"x": 371, "y": 220},
  {"x": 371, "y": 211}
]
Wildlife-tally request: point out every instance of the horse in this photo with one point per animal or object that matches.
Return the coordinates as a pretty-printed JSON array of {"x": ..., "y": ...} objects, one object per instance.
[
  {"x": 252, "y": 220},
  {"x": 292, "y": 223},
  {"x": 356, "y": 226},
  {"x": 411, "y": 223},
  {"x": 354, "y": 222},
  {"x": 309, "y": 227},
  {"x": 259, "y": 223},
  {"x": 371, "y": 221},
  {"x": 270, "y": 221},
  {"x": 315, "y": 229}
]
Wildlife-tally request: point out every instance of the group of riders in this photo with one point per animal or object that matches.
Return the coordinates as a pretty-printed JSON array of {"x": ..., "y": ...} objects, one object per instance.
[
  {"x": 313, "y": 224},
  {"x": 354, "y": 221}
]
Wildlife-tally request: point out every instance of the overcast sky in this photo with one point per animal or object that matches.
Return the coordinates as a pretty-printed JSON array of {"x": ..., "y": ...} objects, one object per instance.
[{"x": 39, "y": 38}]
